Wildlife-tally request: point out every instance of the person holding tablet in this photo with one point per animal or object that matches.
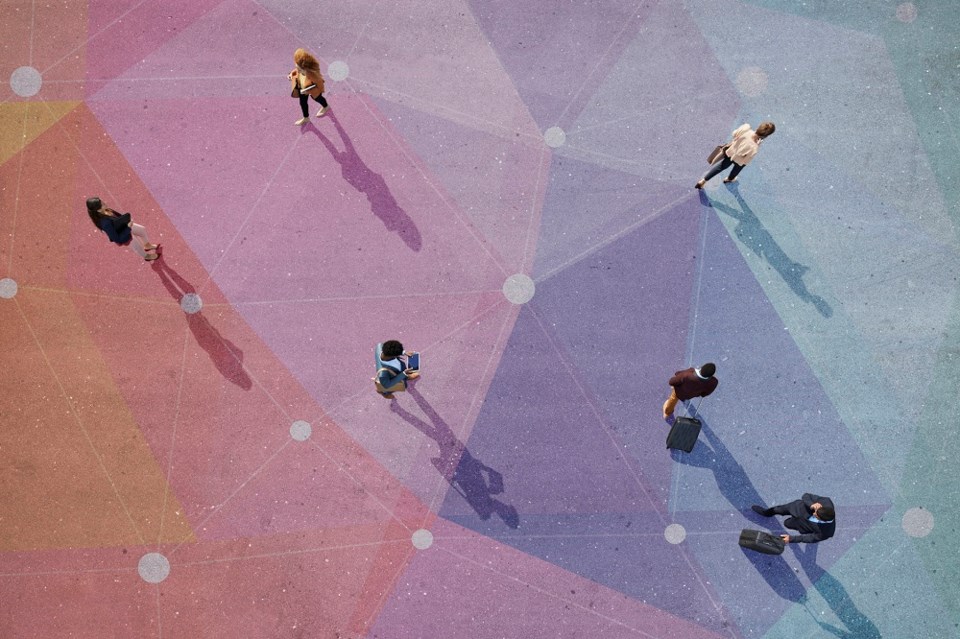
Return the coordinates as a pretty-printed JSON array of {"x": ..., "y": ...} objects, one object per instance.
[{"x": 394, "y": 368}]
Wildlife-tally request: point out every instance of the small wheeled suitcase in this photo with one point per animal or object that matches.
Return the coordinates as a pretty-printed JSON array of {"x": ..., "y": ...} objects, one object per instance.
[
  {"x": 761, "y": 541},
  {"x": 684, "y": 432}
]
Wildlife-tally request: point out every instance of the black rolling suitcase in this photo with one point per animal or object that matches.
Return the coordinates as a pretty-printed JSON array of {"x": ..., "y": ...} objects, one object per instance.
[
  {"x": 684, "y": 432},
  {"x": 761, "y": 541}
]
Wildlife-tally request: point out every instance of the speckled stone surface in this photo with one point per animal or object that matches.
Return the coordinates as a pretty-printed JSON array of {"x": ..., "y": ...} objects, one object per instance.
[{"x": 194, "y": 447}]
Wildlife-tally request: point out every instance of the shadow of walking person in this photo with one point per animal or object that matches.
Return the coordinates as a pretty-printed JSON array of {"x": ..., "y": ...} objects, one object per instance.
[
  {"x": 752, "y": 234},
  {"x": 735, "y": 486},
  {"x": 371, "y": 184},
  {"x": 475, "y": 481},
  {"x": 778, "y": 574},
  {"x": 224, "y": 354},
  {"x": 858, "y": 625},
  {"x": 732, "y": 480}
]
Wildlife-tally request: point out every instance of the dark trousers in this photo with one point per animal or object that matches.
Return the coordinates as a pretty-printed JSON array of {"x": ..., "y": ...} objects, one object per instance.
[
  {"x": 303, "y": 103},
  {"x": 784, "y": 509},
  {"x": 722, "y": 165}
]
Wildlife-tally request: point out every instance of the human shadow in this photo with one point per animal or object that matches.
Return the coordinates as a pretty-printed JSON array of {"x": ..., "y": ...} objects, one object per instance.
[
  {"x": 224, "y": 354},
  {"x": 778, "y": 574},
  {"x": 735, "y": 486},
  {"x": 475, "y": 481},
  {"x": 732, "y": 480},
  {"x": 858, "y": 625},
  {"x": 751, "y": 233},
  {"x": 371, "y": 184}
]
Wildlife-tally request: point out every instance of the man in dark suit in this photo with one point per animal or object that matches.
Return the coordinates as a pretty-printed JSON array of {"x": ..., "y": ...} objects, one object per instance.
[
  {"x": 811, "y": 515},
  {"x": 690, "y": 383}
]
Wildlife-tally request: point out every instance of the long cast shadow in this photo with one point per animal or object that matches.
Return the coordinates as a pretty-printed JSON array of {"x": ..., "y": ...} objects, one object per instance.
[
  {"x": 371, "y": 184},
  {"x": 475, "y": 481},
  {"x": 736, "y": 488},
  {"x": 778, "y": 575},
  {"x": 224, "y": 354},
  {"x": 732, "y": 480},
  {"x": 751, "y": 233},
  {"x": 858, "y": 625}
]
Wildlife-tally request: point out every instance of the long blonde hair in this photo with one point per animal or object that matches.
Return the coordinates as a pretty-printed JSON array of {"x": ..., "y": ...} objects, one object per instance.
[{"x": 306, "y": 61}]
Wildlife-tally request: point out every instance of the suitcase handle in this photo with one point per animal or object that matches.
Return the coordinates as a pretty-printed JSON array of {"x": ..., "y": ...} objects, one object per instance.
[{"x": 697, "y": 410}]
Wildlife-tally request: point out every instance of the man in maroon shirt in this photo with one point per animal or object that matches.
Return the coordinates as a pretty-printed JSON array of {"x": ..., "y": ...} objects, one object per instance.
[{"x": 690, "y": 383}]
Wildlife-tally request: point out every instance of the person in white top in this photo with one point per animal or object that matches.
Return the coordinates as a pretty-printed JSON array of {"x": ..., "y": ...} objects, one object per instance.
[{"x": 739, "y": 152}]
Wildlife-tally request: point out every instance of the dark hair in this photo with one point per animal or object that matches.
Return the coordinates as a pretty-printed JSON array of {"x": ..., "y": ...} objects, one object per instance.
[
  {"x": 766, "y": 129},
  {"x": 825, "y": 513},
  {"x": 93, "y": 210},
  {"x": 708, "y": 369},
  {"x": 391, "y": 348}
]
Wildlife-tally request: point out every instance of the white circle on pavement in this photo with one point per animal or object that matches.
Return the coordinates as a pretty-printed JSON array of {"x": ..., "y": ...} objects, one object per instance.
[
  {"x": 918, "y": 522},
  {"x": 338, "y": 70},
  {"x": 25, "y": 81},
  {"x": 519, "y": 288},
  {"x": 153, "y": 567},
  {"x": 906, "y": 12},
  {"x": 422, "y": 539},
  {"x": 675, "y": 533},
  {"x": 752, "y": 81},
  {"x": 191, "y": 303},
  {"x": 554, "y": 137},
  {"x": 8, "y": 288},
  {"x": 300, "y": 430}
]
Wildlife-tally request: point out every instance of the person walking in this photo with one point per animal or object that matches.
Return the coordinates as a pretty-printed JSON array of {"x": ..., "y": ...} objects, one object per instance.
[
  {"x": 812, "y": 516},
  {"x": 739, "y": 152},
  {"x": 121, "y": 229},
  {"x": 306, "y": 81},
  {"x": 690, "y": 383},
  {"x": 393, "y": 368}
]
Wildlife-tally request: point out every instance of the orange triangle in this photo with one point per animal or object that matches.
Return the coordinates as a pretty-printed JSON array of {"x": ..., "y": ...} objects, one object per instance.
[
  {"x": 25, "y": 121},
  {"x": 80, "y": 471}
]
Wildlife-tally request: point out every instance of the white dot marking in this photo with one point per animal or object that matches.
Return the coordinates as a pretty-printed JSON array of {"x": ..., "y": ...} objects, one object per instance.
[
  {"x": 338, "y": 70},
  {"x": 8, "y": 288},
  {"x": 917, "y": 522},
  {"x": 191, "y": 303},
  {"x": 26, "y": 81},
  {"x": 422, "y": 539},
  {"x": 675, "y": 533},
  {"x": 153, "y": 567},
  {"x": 554, "y": 137},
  {"x": 519, "y": 288},
  {"x": 752, "y": 81},
  {"x": 906, "y": 12},
  {"x": 301, "y": 430}
]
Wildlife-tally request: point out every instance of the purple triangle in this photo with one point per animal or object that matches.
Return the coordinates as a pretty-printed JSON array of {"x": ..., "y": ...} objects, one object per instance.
[
  {"x": 770, "y": 433},
  {"x": 556, "y": 81}
]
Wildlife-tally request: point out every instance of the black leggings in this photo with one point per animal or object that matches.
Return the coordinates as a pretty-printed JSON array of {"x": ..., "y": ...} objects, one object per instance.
[{"x": 303, "y": 103}]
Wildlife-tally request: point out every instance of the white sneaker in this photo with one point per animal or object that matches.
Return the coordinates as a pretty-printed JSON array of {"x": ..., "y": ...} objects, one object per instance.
[
  {"x": 301, "y": 121},
  {"x": 323, "y": 111}
]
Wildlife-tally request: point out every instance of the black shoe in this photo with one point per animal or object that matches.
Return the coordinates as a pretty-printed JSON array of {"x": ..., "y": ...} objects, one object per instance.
[{"x": 763, "y": 512}]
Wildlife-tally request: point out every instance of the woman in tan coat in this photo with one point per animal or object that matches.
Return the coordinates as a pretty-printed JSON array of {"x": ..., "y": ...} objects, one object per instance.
[
  {"x": 305, "y": 81},
  {"x": 739, "y": 152}
]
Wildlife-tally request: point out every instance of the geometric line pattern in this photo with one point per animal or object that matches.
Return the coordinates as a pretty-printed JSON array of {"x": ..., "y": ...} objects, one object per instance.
[{"x": 193, "y": 447}]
